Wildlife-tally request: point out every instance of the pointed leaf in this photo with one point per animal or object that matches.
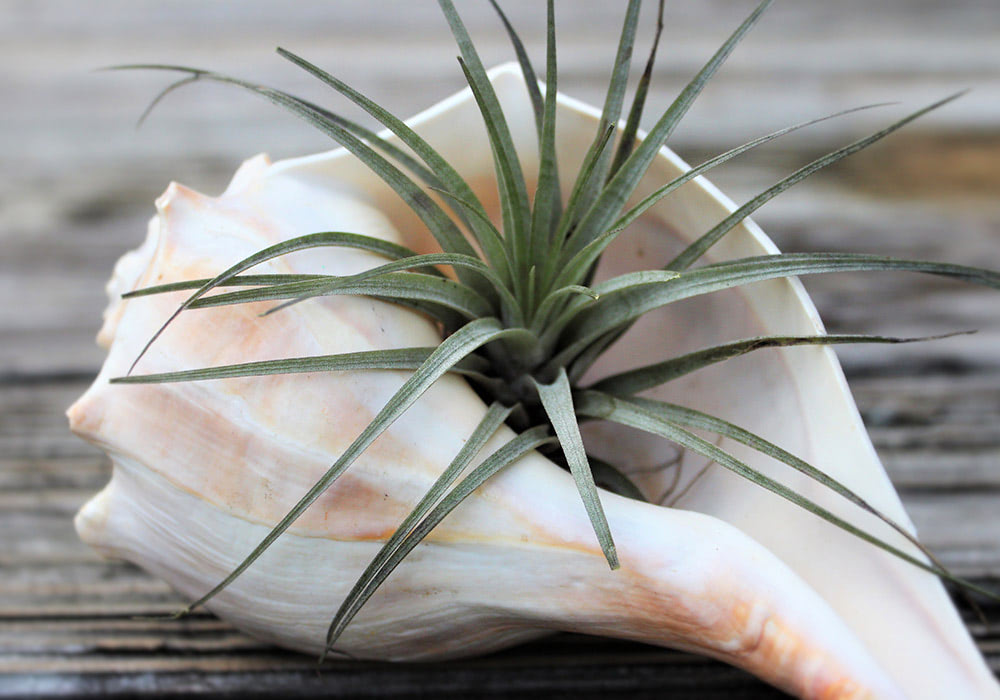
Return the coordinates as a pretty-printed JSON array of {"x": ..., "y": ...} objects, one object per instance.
[
  {"x": 609, "y": 203},
  {"x": 331, "y": 283},
  {"x": 698, "y": 248},
  {"x": 576, "y": 268},
  {"x": 641, "y": 417},
  {"x": 394, "y": 287},
  {"x": 403, "y": 358},
  {"x": 549, "y": 304},
  {"x": 530, "y": 79},
  {"x": 613, "y": 479},
  {"x": 649, "y": 376},
  {"x": 586, "y": 173},
  {"x": 448, "y": 178},
  {"x": 627, "y": 140},
  {"x": 312, "y": 240},
  {"x": 613, "y": 100},
  {"x": 494, "y": 417},
  {"x": 373, "y": 139},
  {"x": 641, "y": 208},
  {"x": 546, "y": 205},
  {"x": 452, "y": 349},
  {"x": 618, "y": 308},
  {"x": 513, "y": 450},
  {"x": 513, "y": 191},
  {"x": 444, "y": 230},
  {"x": 557, "y": 400},
  {"x": 239, "y": 281}
]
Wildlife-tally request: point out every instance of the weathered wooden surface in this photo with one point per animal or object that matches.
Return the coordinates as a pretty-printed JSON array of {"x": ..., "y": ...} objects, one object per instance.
[{"x": 76, "y": 185}]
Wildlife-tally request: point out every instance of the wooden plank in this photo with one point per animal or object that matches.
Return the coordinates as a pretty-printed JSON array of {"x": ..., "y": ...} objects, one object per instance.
[
  {"x": 76, "y": 189},
  {"x": 520, "y": 678},
  {"x": 116, "y": 659},
  {"x": 862, "y": 53}
]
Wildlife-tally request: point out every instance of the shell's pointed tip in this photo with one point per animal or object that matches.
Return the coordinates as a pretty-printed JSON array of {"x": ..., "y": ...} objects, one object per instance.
[
  {"x": 250, "y": 171},
  {"x": 169, "y": 195},
  {"x": 91, "y": 521},
  {"x": 175, "y": 194},
  {"x": 86, "y": 414},
  {"x": 105, "y": 336}
]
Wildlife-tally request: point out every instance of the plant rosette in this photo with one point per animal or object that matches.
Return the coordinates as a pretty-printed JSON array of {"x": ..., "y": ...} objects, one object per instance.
[{"x": 460, "y": 384}]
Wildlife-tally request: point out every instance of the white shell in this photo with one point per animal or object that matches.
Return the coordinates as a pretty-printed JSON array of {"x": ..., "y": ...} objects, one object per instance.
[{"x": 202, "y": 469}]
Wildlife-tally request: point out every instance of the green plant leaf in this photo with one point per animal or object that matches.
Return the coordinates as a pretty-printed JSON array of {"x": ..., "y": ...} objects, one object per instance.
[
  {"x": 445, "y": 315},
  {"x": 444, "y": 230},
  {"x": 648, "y": 418},
  {"x": 690, "y": 418},
  {"x": 587, "y": 174},
  {"x": 627, "y": 140},
  {"x": 627, "y": 281},
  {"x": 398, "y": 286},
  {"x": 312, "y": 240},
  {"x": 530, "y": 79},
  {"x": 698, "y": 248},
  {"x": 457, "y": 346},
  {"x": 398, "y": 359},
  {"x": 613, "y": 101},
  {"x": 639, "y": 209},
  {"x": 557, "y": 400},
  {"x": 612, "y": 198},
  {"x": 448, "y": 178},
  {"x": 612, "y": 479},
  {"x": 366, "y": 584},
  {"x": 509, "y": 306},
  {"x": 543, "y": 314},
  {"x": 510, "y": 178},
  {"x": 546, "y": 206},
  {"x": 576, "y": 267},
  {"x": 649, "y": 376},
  {"x": 513, "y": 450},
  {"x": 620, "y": 307},
  {"x": 373, "y": 139},
  {"x": 239, "y": 281}
]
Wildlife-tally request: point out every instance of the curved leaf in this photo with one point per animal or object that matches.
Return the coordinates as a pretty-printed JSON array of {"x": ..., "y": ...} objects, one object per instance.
[
  {"x": 642, "y": 378},
  {"x": 452, "y": 349},
  {"x": 609, "y": 203},
  {"x": 392, "y": 287},
  {"x": 369, "y": 581},
  {"x": 649, "y": 418},
  {"x": 402, "y": 358},
  {"x": 698, "y": 248},
  {"x": 621, "y": 307},
  {"x": 448, "y": 178},
  {"x": 513, "y": 450}
]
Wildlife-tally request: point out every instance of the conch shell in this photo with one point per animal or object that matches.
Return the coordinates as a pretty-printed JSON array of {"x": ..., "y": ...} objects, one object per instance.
[{"x": 202, "y": 470}]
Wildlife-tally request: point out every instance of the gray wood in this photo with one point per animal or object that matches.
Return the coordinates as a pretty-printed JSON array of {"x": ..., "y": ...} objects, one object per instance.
[{"x": 77, "y": 184}]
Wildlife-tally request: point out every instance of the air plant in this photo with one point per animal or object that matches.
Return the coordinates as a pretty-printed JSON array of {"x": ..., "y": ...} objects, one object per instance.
[{"x": 519, "y": 337}]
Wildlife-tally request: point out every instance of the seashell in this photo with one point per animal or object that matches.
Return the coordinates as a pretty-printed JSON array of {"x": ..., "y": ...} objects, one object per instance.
[{"x": 202, "y": 470}]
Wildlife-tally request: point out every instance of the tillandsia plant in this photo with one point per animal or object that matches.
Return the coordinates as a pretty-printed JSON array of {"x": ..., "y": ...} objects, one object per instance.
[{"x": 435, "y": 401}]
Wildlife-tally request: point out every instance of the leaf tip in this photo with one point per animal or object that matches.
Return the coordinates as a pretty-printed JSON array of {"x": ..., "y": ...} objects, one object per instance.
[{"x": 611, "y": 554}]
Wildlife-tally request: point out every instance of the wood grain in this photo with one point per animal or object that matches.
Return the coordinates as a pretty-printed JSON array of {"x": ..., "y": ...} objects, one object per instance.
[{"x": 77, "y": 182}]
